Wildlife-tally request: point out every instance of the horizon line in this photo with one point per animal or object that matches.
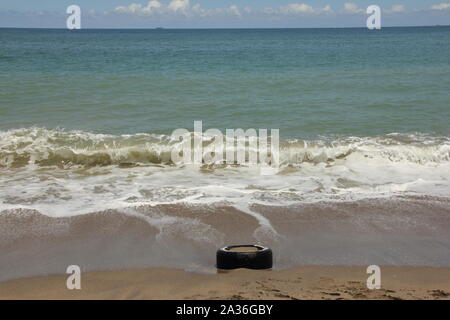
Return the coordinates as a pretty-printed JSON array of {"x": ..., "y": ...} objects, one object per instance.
[{"x": 220, "y": 28}]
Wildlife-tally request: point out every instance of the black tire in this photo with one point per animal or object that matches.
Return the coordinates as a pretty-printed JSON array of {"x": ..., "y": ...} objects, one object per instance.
[{"x": 259, "y": 259}]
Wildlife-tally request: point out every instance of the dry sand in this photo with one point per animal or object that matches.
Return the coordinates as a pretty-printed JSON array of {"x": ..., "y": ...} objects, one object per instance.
[{"x": 311, "y": 282}]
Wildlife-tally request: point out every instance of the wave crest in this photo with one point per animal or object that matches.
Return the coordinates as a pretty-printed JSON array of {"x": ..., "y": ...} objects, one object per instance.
[{"x": 40, "y": 147}]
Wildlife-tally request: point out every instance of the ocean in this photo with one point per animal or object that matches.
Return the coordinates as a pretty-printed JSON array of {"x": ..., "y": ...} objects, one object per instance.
[{"x": 85, "y": 124}]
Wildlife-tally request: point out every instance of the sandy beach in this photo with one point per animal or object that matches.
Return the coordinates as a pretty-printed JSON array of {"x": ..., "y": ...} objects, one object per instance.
[
  {"x": 303, "y": 283},
  {"x": 35, "y": 251}
]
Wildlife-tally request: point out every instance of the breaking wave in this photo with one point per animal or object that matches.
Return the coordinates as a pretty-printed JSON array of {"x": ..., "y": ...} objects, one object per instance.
[
  {"x": 65, "y": 173},
  {"x": 37, "y": 147}
]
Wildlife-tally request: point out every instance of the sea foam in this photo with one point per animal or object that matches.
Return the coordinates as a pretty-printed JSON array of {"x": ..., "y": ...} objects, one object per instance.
[{"x": 73, "y": 172}]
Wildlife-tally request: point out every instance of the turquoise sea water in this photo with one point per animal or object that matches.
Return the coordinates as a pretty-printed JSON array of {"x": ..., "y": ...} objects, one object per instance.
[{"x": 305, "y": 82}]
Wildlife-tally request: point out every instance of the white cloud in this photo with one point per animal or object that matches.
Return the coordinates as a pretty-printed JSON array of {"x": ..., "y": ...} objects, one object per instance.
[
  {"x": 441, "y": 6},
  {"x": 327, "y": 9},
  {"x": 234, "y": 10},
  {"x": 351, "y": 7},
  {"x": 296, "y": 8},
  {"x": 179, "y": 5},
  {"x": 185, "y": 7},
  {"x": 152, "y": 6},
  {"x": 132, "y": 8},
  {"x": 248, "y": 9},
  {"x": 398, "y": 8}
]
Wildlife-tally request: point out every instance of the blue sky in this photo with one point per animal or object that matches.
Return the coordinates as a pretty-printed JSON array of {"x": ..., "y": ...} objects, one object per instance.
[
  {"x": 222, "y": 13},
  {"x": 108, "y": 4}
]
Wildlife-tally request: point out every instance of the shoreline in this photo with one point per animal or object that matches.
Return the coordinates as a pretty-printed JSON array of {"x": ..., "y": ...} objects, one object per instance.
[{"x": 299, "y": 283}]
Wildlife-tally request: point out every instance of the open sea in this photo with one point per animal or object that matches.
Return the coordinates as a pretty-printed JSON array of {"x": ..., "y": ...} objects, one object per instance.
[{"x": 85, "y": 124}]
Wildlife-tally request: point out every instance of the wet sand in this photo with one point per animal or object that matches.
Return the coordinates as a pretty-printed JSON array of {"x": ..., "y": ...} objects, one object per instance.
[
  {"x": 168, "y": 251},
  {"x": 310, "y": 282}
]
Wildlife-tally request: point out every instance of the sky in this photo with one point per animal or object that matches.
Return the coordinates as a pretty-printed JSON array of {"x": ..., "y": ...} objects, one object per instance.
[{"x": 222, "y": 13}]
